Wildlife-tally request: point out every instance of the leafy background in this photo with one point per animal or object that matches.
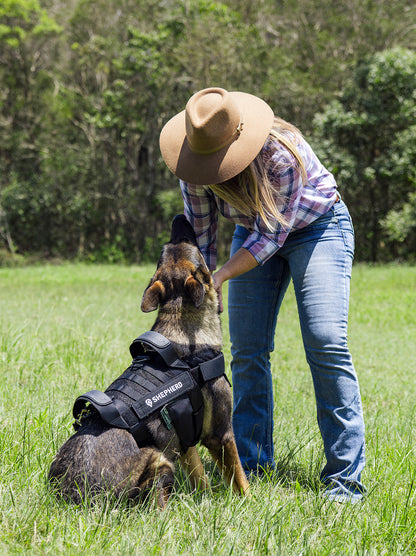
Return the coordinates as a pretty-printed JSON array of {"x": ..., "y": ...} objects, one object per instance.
[{"x": 86, "y": 86}]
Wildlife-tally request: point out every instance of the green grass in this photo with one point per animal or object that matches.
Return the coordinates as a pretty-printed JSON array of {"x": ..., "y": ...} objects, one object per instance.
[{"x": 66, "y": 329}]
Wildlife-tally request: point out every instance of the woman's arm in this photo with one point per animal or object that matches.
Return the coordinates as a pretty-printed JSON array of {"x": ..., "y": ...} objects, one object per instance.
[{"x": 242, "y": 261}]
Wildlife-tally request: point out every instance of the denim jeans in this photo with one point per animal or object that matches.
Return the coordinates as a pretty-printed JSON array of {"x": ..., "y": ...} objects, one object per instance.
[{"x": 318, "y": 258}]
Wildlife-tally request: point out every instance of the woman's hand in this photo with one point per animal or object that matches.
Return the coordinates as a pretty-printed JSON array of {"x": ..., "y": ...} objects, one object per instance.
[
  {"x": 242, "y": 261},
  {"x": 218, "y": 287}
]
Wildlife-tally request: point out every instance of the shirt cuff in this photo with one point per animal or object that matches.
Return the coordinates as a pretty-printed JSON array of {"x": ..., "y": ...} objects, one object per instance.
[{"x": 260, "y": 246}]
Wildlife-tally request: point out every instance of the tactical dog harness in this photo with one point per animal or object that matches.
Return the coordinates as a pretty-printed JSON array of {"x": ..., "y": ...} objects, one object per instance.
[{"x": 156, "y": 381}]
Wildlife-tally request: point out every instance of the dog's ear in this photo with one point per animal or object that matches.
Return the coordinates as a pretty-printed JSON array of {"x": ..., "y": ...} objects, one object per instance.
[
  {"x": 204, "y": 274},
  {"x": 152, "y": 296},
  {"x": 196, "y": 291}
]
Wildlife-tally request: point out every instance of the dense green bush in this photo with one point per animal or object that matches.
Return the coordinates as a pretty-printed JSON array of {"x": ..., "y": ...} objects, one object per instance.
[{"x": 368, "y": 137}]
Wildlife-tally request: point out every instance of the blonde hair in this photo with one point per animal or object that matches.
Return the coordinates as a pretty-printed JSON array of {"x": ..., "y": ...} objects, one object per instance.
[{"x": 251, "y": 192}]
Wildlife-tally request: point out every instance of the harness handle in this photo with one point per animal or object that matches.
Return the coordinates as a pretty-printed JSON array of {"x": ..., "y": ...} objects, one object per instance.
[
  {"x": 156, "y": 342},
  {"x": 103, "y": 404}
]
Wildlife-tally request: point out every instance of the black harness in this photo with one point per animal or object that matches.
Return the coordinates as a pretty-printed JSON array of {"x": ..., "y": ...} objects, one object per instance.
[{"x": 156, "y": 381}]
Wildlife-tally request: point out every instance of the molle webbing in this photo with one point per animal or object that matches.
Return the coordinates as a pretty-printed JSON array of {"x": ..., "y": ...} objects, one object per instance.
[{"x": 155, "y": 381}]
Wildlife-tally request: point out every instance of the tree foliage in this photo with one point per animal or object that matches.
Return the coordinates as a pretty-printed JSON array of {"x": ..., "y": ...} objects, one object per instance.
[
  {"x": 25, "y": 29},
  {"x": 86, "y": 86},
  {"x": 370, "y": 136}
]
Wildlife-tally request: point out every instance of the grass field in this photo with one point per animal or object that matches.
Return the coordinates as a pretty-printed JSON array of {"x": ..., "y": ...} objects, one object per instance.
[{"x": 66, "y": 329}]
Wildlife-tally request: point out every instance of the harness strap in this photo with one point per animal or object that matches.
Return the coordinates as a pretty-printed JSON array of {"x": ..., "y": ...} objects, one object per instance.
[
  {"x": 136, "y": 427},
  {"x": 187, "y": 415},
  {"x": 158, "y": 343},
  {"x": 212, "y": 368}
]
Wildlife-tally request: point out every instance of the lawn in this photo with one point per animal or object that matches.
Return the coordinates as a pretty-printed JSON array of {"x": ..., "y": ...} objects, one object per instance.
[{"x": 66, "y": 329}]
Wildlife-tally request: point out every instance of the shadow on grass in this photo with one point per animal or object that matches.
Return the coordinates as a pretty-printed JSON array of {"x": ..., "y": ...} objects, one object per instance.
[{"x": 288, "y": 474}]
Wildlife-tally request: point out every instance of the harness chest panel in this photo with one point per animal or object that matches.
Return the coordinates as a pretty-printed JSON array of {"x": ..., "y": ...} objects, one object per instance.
[
  {"x": 146, "y": 388},
  {"x": 156, "y": 381}
]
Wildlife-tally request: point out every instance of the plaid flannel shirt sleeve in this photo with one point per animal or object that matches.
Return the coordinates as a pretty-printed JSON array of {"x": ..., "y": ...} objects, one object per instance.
[
  {"x": 200, "y": 209},
  {"x": 263, "y": 243}
]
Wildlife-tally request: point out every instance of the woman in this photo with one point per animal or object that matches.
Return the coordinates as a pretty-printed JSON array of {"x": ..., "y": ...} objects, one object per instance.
[{"x": 233, "y": 156}]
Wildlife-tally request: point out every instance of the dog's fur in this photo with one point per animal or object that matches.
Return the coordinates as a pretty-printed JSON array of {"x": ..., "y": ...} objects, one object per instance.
[{"x": 99, "y": 458}]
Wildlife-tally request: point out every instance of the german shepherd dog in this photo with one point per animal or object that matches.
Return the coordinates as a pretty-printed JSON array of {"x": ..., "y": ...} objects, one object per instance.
[{"x": 101, "y": 458}]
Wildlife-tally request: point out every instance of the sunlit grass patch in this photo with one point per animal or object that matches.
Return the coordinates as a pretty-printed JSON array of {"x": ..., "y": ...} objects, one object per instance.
[{"x": 67, "y": 329}]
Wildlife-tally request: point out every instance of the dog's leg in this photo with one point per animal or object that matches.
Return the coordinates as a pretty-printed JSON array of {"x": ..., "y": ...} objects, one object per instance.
[
  {"x": 225, "y": 455},
  {"x": 163, "y": 491},
  {"x": 152, "y": 476},
  {"x": 192, "y": 465}
]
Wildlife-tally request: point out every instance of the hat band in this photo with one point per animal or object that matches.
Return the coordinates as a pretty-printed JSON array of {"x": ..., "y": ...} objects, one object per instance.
[{"x": 234, "y": 136}]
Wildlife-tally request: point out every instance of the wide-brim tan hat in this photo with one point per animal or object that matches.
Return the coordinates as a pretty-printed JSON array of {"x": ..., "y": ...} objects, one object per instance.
[{"x": 217, "y": 135}]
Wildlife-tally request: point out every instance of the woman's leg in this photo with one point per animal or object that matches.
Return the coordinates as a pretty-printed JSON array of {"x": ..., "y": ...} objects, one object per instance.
[
  {"x": 320, "y": 258},
  {"x": 253, "y": 302}
]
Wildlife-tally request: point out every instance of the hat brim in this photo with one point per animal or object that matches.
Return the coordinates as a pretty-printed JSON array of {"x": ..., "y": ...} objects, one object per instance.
[{"x": 213, "y": 168}]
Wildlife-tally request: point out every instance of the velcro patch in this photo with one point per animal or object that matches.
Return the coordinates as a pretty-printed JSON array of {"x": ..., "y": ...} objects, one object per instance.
[{"x": 176, "y": 387}]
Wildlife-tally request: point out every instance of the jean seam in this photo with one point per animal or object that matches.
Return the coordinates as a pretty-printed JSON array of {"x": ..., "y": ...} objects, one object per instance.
[
  {"x": 345, "y": 277},
  {"x": 271, "y": 331}
]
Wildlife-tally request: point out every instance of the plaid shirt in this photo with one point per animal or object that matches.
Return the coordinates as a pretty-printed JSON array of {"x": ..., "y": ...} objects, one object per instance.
[{"x": 300, "y": 204}]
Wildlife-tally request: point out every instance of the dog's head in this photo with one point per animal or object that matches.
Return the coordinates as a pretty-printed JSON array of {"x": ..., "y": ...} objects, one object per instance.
[{"x": 182, "y": 275}]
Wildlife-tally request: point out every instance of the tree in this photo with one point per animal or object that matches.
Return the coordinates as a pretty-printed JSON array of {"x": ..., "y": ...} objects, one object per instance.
[
  {"x": 367, "y": 137},
  {"x": 25, "y": 34},
  {"x": 400, "y": 223},
  {"x": 313, "y": 47},
  {"x": 126, "y": 76},
  {"x": 86, "y": 86}
]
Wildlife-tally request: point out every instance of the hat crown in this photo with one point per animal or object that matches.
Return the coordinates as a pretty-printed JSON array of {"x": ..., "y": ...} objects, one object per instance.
[
  {"x": 217, "y": 135},
  {"x": 212, "y": 119}
]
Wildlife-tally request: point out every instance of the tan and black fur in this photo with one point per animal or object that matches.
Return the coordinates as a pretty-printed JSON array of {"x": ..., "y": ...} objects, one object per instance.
[{"x": 98, "y": 458}]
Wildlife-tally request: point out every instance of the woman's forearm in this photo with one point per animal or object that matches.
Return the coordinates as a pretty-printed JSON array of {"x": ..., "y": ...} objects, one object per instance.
[{"x": 242, "y": 261}]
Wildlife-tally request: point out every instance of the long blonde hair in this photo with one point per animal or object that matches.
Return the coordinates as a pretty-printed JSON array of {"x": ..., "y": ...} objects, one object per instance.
[{"x": 251, "y": 192}]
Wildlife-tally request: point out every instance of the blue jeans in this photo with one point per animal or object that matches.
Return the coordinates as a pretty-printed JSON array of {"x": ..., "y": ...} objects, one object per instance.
[{"x": 318, "y": 258}]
